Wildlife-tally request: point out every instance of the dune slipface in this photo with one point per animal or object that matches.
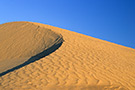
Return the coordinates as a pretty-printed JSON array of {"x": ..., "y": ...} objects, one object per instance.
[
  {"x": 21, "y": 41},
  {"x": 80, "y": 63}
]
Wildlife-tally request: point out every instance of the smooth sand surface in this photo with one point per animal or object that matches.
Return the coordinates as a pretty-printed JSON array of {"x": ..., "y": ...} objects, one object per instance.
[{"x": 80, "y": 63}]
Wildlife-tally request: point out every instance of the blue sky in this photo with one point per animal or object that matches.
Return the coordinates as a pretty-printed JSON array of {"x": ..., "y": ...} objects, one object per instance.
[{"x": 111, "y": 20}]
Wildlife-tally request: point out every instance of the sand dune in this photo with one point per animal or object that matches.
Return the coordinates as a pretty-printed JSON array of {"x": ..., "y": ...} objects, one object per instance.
[
  {"x": 20, "y": 41},
  {"x": 35, "y": 56}
]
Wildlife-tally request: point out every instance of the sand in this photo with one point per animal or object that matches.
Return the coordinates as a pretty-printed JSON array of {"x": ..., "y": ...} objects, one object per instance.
[{"x": 36, "y": 56}]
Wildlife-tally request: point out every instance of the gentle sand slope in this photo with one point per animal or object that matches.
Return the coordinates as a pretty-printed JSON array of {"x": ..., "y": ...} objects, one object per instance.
[{"x": 80, "y": 63}]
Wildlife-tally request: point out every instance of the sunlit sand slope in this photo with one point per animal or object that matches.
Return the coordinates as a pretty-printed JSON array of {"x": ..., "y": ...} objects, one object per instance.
[
  {"x": 20, "y": 41},
  {"x": 80, "y": 63}
]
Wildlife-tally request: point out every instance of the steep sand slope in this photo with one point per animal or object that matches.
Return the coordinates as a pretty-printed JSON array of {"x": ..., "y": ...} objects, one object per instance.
[
  {"x": 20, "y": 41},
  {"x": 81, "y": 63}
]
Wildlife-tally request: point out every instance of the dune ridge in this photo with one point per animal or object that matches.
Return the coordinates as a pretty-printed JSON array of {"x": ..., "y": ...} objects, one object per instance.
[
  {"x": 24, "y": 40},
  {"x": 80, "y": 63}
]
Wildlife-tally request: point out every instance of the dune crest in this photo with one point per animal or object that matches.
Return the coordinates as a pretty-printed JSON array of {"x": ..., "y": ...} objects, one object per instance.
[
  {"x": 80, "y": 63},
  {"x": 20, "y": 41}
]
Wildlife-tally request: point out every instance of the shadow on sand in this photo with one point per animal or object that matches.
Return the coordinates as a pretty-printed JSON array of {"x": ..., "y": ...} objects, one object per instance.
[{"x": 35, "y": 58}]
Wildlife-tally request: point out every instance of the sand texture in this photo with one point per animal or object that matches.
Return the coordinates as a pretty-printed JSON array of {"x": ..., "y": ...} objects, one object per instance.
[{"x": 36, "y": 56}]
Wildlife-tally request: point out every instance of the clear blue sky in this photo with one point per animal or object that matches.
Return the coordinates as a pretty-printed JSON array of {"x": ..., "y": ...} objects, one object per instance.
[{"x": 111, "y": 20}]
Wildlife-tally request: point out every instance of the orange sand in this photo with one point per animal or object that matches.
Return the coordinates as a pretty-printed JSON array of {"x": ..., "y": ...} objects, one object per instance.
[{"x": 80, "y": 63}]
